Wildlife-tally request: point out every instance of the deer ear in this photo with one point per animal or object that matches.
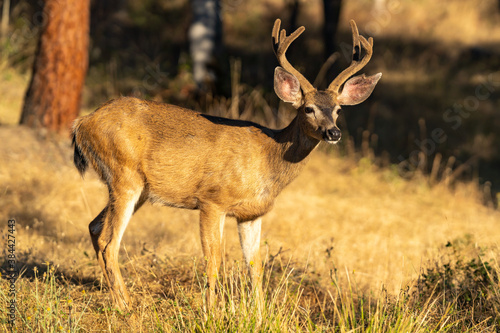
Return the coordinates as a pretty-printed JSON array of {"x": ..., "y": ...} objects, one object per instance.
[
  {"x": 357, "y": 89},
  {"x": 286, "y": 86}
]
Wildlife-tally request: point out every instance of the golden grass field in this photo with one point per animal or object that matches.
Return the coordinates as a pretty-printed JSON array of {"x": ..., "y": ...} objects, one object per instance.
[
  {"x": 342, "y": 221},
  {"x": 349, "y": 246}
]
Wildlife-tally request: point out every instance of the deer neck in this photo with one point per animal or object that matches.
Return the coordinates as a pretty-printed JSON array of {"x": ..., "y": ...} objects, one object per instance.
[{"x": 292, "y": 147}]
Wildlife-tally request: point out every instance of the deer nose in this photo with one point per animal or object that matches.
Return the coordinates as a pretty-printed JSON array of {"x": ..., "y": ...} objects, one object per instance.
[{"x": 332, "y": 135}]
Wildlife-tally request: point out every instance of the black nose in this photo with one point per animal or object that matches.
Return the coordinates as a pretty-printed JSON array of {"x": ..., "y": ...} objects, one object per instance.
[{"x": 333, "y": 134}]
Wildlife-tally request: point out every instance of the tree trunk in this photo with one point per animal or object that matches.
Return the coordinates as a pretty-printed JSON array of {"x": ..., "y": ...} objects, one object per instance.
[
  {"x": 205, "y": 38},
  {"x": 331, "y": 16},
  {"x": 294, "y": 7},
  {"x": 53, "y": 98}
]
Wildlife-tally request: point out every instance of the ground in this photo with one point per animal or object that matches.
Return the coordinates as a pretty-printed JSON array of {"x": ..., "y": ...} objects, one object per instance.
[{"x": 341, "y": 220}]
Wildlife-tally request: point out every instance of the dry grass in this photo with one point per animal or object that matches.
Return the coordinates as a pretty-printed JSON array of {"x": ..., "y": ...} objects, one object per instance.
[
  {"x": 12, "y": 87},
  {"x": 460, "y": 22},
  {"x": 342, "y": 230}
]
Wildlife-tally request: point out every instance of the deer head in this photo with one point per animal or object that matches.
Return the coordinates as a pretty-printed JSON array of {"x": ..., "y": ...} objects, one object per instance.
[{"x": 318, "y": 110}]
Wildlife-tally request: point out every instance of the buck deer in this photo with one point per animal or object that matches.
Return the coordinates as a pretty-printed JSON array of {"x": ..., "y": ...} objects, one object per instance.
[{"x": 148, "y": 151}]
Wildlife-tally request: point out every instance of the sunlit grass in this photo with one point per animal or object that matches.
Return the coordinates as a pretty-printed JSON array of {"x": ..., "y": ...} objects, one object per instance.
[
  {"x": 345, "y": 246},
  {"x": 49, "y": 302},
  {"x": 45, "y": 302}
]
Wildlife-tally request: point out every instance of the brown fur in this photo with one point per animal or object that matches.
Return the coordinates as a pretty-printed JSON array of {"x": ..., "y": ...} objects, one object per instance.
[
  {"x": 192, "y": 159},
  {"x": 184, "y": 159},
  {"x": 148, "y": 151}
]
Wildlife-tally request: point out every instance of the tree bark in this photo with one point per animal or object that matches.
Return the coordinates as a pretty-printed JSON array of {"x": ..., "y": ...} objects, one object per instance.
[
  {"x": 294, "y": 9},
  {"x": 205, "y": 38},
  {"x": 331, "y": 12},
  {"x": 53, "y": 97}
]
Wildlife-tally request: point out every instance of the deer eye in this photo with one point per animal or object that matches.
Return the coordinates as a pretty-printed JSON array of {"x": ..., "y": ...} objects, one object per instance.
[{"x": 308, "y": 109}]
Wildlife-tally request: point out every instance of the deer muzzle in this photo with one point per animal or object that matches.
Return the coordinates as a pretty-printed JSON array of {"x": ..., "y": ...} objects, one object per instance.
[{"x": 332, "y": 135}]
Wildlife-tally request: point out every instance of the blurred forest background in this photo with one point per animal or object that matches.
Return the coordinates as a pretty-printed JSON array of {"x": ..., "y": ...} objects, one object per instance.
[
  {"x": 393, "y": 229},
  {"x": 436, "y": 108}
]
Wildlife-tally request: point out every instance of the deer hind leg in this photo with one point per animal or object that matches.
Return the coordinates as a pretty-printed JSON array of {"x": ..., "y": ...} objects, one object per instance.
[
  {"x": 249, "y": 233},
  {"x": 106, "y": 231},
  {"x": 211, "y": 230}
]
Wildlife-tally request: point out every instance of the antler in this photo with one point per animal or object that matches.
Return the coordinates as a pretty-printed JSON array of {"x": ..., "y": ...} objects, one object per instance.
[
  {"x": 281, "y": 44},
  {"x": 357, "y": 62}
]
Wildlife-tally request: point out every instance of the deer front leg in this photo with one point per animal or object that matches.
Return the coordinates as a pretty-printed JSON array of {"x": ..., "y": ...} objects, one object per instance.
[
  {"x": 249, "y": 233},
  {"x": 211, "y": 229}
]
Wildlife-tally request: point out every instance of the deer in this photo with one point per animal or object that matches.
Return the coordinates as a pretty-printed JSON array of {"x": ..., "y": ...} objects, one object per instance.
[{"x": 147, "y": 151}]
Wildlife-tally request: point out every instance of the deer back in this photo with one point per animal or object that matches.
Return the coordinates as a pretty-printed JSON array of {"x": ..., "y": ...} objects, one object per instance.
[{"x": 185, "y": 158}]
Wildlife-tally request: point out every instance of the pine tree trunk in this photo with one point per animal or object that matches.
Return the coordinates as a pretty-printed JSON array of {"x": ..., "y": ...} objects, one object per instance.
[
  {"x": 331, "y": 15},
  {"x": 53, "y": 98}
]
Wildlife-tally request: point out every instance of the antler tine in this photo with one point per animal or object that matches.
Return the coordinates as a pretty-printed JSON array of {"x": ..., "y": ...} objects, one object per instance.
[
  {"x": 357, "y": 62},
  {"x": 275, "y": 33},
  {"x": 281, "y": 44}
]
